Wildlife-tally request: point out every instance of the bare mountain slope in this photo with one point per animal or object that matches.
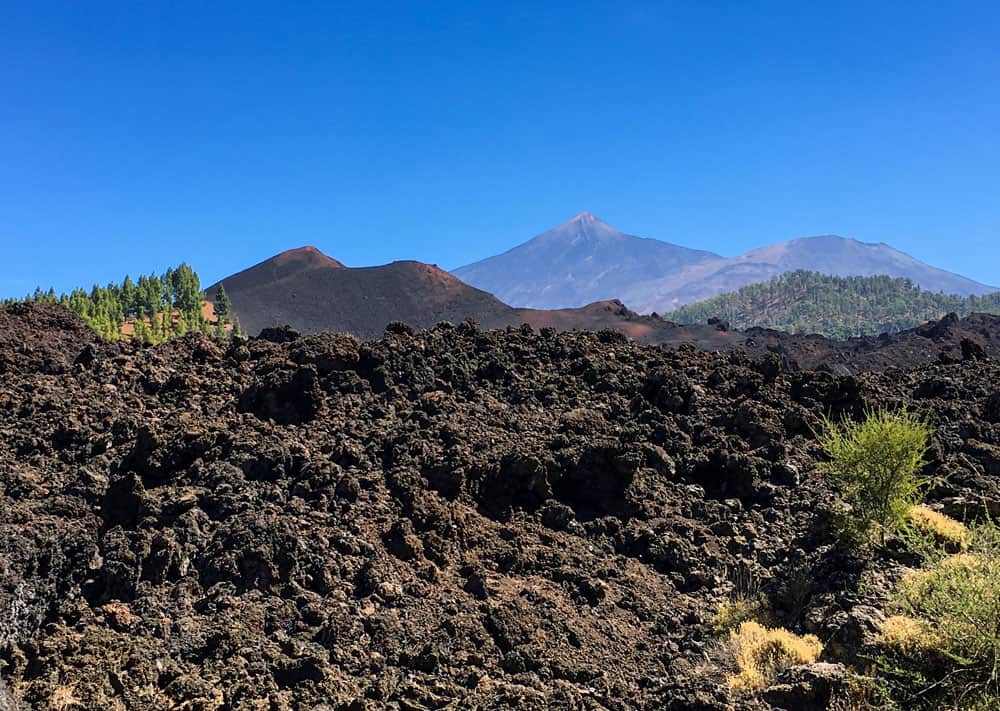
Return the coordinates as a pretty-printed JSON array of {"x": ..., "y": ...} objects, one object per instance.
[{"x": 307, "y": 290}]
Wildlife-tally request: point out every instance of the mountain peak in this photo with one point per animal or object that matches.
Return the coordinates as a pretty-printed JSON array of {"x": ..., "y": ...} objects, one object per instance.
[
  {"x": 287, "y": 264},
  {"x": 307, "y": 257},
  {"x": 587, "y": 219},
  {"x": 585, "y": 225}
]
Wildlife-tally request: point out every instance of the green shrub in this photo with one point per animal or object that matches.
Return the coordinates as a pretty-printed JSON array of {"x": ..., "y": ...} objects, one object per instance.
[
  {"x": 732, "y": 613},
  {"x": 942, "y": 642},
  {"x": 876, "y": 464}
]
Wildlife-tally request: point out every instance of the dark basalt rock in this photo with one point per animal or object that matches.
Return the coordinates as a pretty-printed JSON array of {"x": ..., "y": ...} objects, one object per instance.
[
  {"x": 464, "y": 517},
  {"x": 287, "y": 397}
]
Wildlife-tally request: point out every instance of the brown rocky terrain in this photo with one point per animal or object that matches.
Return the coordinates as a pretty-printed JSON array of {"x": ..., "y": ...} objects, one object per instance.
[{"x": 455, "y": 517}]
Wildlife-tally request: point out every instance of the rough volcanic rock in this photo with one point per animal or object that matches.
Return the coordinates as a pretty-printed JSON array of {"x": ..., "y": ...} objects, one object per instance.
[{"x": 488, "y": 519}]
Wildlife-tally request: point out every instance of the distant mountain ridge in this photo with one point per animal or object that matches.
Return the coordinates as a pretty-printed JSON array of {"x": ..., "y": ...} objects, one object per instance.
[
  {"x": 586, "y": 259},
  {"x": 804, "y": 302}
]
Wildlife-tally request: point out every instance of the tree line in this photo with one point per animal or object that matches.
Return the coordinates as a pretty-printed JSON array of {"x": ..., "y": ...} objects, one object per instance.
[
  {"x": 838, "y": 307},
  {"x": 153, "y": 309}
]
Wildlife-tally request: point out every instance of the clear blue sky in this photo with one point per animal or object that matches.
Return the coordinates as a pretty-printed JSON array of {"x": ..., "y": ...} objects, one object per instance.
[{"x": 134, "y": 135}]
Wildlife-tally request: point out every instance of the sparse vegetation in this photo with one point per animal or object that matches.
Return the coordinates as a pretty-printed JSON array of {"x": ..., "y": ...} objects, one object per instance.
[
  {"x": 943, "y": 642},
  {"x": 876, "y": 464},
  {"x": 837, "y": 307},
  {"x": 732, "y": 613},
  {"x": 746, "y": 601},
  {"x": 759, "y": 654}
]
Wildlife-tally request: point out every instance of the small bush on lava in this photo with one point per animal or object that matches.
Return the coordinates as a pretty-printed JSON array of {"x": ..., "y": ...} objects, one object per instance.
[
  {"x": 876, "y": 464},
  {"x": 942, "y": 645},
  {"x": 732, "y": 613},
  {"x": 746, "y": 601},
  {"x": 760, "y": 653}
]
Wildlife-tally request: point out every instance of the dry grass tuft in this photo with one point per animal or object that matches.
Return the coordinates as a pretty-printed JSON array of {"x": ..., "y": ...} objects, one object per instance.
[
  {"x": 944, "y": 528},
  {"x": 760, "y": 653},
  {"x": 907, "y": 634},
  {"x": 64, "y": 697}
]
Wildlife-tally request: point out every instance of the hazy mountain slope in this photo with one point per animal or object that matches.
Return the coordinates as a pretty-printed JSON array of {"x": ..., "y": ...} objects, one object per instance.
[
  {"x": 586, "y": 260},
  {"x": 848, "y": 257},
  {"x": 837, "y": 256},
  {"x": 695, "y": 283},
  {"x": 839, "y": 307},
  {"x": 579, "y": 262}
]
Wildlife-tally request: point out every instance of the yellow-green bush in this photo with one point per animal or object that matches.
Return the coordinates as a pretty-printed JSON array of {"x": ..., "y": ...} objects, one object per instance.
[
  {"x": 760, "y": 653},
  {"x": 732, "y": 613},
  {"x": 907, "y": 634}
]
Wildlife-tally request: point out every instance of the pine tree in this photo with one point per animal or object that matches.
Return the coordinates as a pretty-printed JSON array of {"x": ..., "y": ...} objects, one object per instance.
[
  {"x": 139, "y": 333},
  {"x": 222, "y": 307},
  {"x": 187, "y": 288},
  {"x": 129, "y": 293}
]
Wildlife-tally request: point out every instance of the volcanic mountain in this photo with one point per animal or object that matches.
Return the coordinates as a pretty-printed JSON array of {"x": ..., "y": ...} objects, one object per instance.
[
  {"x": 310, "y": 292},
  {"x": 586, "y": 259},
  {"x": 581, "y": 261}
]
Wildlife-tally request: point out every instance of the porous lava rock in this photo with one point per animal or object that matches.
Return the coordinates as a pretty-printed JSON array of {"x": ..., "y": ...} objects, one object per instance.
[{"x": 481, "y": 519}]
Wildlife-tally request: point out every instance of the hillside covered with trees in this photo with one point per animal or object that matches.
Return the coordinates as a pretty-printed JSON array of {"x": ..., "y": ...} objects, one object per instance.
[
  {"x": 151, "y": 310},
  {"x": 838, "y": 307}
]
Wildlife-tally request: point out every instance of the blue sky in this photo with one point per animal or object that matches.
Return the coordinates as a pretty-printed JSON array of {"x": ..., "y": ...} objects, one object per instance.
[{"x": 135, "y": 135}]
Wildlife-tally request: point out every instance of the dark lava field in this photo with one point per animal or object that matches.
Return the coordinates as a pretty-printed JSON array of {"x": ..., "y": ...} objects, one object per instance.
[{"x": 452, "y": 518}]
